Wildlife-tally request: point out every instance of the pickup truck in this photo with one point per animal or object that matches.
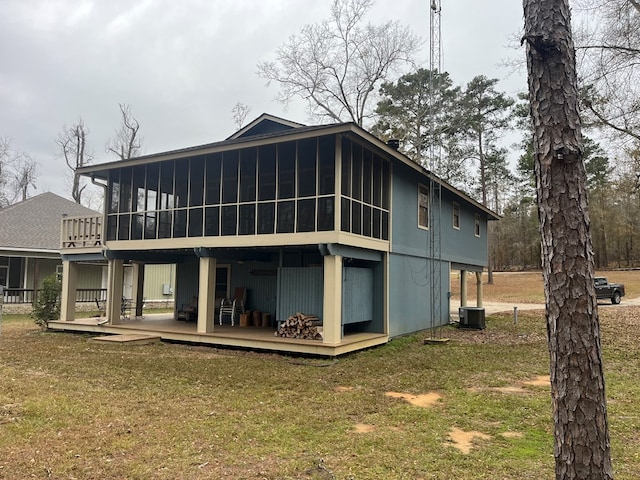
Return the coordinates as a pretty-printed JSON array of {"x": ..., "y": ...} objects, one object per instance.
[{"x": 604, "y": 289}]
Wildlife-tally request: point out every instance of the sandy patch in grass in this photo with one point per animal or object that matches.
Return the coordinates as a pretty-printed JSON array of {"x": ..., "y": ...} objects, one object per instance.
[
  {"x": 518, "y": 389},
  {"x": 463, "y": 441},
  {"x": 364, "y": 428},
  {"x": 425, "y": 400},
  {"x": 510, "y": 389},
  {"x": 539, "y": 381},
  {"x": 511, "y": 434},
  {"x": 343, "y": 389}
]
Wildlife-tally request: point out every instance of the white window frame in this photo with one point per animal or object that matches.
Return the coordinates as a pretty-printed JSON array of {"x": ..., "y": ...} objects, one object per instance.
[
  {"x": 477, "y": 225},
  {"x": 456, "y": 216},
  {"x": 423, "y": 192}
]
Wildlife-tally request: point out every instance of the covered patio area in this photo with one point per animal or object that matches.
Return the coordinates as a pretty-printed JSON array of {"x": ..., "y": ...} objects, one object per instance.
[{"x": 255, "y": 338}]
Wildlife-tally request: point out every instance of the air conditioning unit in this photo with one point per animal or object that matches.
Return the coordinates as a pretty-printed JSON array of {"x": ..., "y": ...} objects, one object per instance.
[{"x": 471, "y": 317}]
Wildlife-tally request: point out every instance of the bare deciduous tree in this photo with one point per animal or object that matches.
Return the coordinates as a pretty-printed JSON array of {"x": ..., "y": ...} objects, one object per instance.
[
  {"x": 127, "y": 142},
  {"x": 582, "y": 449},
  {"x": 73, "y": 146},
  {"x": 609, "y": 60},
  {"x": 5, "y": 147},
  {"x": 25, "y": 172},
  {"x": 337, "y": 65},
  {"x": 18, "y": 173},
  {"x": 240, "y": 112}
]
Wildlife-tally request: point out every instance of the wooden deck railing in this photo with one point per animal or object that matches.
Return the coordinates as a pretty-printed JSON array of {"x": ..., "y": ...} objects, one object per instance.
[{"x": 78, "y": 232}]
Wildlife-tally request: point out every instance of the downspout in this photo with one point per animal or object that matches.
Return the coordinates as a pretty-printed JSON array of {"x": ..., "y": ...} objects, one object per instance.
[
  {"x": 103, "y": 235},
  {"x": 104, "y": 208}
]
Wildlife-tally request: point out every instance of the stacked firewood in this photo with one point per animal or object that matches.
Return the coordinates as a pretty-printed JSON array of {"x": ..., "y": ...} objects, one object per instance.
[{"x": 301, "y": 326}]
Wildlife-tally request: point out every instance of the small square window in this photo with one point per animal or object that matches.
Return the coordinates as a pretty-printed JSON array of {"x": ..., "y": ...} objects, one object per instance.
[
  {"x": 456, "y": 216},
  {"x": 477, "y": 225},
  {"x": 423, "y": 206}
]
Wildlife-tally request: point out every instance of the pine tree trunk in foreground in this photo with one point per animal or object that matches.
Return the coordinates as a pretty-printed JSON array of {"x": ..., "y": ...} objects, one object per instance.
[{"x": 582, "y": 449}]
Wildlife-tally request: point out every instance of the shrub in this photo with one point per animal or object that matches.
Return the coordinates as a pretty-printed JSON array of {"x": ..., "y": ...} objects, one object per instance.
[{"x": 47, "y": 305}]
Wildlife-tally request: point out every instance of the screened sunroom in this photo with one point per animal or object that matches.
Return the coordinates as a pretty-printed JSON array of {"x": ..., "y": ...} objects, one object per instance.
[{"x": 276, "y": 188}]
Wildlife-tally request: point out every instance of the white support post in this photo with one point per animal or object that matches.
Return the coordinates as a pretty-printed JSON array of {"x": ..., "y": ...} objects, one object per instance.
[
  {"x": 68, "y": 294},
  {"x": 332, "y": 306},
  {"x": 137, "y": 288},
  {"x": 463, "y": 288},
  {"x": 114, "y": 290},
  {"x": 206, "y": 295}
]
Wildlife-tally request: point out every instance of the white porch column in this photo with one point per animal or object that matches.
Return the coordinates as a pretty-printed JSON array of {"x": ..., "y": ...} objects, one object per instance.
[
  {"x": 68, "y": 294},
  {"x": 137, "y": 288},
  {"x": 332, "y": 303},
  {"x": 206, "y": 295},
  {"x": 463, "y": 288},
  {"x": 479, "y": 289},
  {"x": 114, "y": 290}
]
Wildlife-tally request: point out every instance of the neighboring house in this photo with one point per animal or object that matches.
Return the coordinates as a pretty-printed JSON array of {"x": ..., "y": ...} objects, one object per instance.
[
  {"x": 324, "y": 220},
  {"x": 30, "y": 246}
]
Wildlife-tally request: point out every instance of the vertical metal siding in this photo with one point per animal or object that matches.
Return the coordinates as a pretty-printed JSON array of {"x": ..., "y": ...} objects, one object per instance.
[
  {"x": 90, "y": 276},
  {"x": 154, "y": 277},
  {"x": 301, "y": 289},
  {"x": 357, "y": 295},
  {"x": 262, "y": 288},
  {"x": 187, "y": 281},
  {"x": 46, "y": 267}
]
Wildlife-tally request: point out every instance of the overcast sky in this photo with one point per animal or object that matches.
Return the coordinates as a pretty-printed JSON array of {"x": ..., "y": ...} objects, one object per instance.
[{"x": 183, "y": 65}]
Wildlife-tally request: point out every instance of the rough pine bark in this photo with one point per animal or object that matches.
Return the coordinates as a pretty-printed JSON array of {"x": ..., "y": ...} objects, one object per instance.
[{"x": 581, "y": 447}]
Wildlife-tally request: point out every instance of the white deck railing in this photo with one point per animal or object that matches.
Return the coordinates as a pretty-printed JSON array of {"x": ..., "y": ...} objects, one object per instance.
[{"x": 79, "y": 232}]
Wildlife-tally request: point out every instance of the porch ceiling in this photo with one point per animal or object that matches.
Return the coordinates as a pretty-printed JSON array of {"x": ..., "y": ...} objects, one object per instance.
[{"x": 260, "y": 254}]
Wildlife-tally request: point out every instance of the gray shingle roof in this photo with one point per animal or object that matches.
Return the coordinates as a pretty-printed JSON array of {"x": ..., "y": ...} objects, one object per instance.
[{"x": 35, "y": 223}]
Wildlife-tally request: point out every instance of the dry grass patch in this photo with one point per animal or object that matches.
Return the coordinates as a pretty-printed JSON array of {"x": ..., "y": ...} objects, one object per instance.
[
  {"x": 424, "y": 400},
  {"x": 364, "y": 428},
  {"x": 527, "y": 287},
  {"x": 464, "y": 441}
]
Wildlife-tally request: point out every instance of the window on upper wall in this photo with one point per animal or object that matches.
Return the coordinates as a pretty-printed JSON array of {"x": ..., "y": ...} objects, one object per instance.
[
  {"x": 456, "y": 216},
  {"x": 477, "y": 225},
  {"x": 423, "y": 206}
]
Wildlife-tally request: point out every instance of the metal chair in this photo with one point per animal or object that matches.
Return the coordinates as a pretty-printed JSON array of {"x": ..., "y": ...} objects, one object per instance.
[{"x": 234, "y": 306}]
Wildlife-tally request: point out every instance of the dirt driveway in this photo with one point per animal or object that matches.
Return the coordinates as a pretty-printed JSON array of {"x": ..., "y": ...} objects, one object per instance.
[{"x": 495, "y": 307}]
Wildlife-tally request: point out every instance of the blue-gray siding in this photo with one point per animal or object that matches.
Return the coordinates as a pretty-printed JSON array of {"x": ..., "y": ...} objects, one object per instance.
[
  {"x": 357, "y": 295},
  {"x": 456, "y": 245},
  {"x": 300, "y": 290},
  {"x": 410, "y": 295}
]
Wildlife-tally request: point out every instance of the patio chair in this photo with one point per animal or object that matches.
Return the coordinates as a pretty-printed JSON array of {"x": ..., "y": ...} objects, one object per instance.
[
  {"x": 125, "y": 308},
  {"x": 233, "y": 306},
  {"x": 189, "y": 312}
]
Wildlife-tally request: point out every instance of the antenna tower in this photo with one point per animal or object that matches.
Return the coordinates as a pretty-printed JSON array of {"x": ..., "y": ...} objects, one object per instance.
[{"x": 435, "y": 158}]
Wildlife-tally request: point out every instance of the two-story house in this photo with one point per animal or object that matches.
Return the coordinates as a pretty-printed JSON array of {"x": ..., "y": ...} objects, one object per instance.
[{"x": 326, "y": 220}]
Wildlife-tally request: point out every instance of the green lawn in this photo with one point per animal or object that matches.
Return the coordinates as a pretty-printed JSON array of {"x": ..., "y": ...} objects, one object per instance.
[{"x": 71, "y": 407}]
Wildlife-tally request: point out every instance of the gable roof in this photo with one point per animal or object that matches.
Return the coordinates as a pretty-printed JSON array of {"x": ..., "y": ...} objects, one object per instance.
[
  {"x": 265, "y": 123},
  {"x": 34, "y": 224}
]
